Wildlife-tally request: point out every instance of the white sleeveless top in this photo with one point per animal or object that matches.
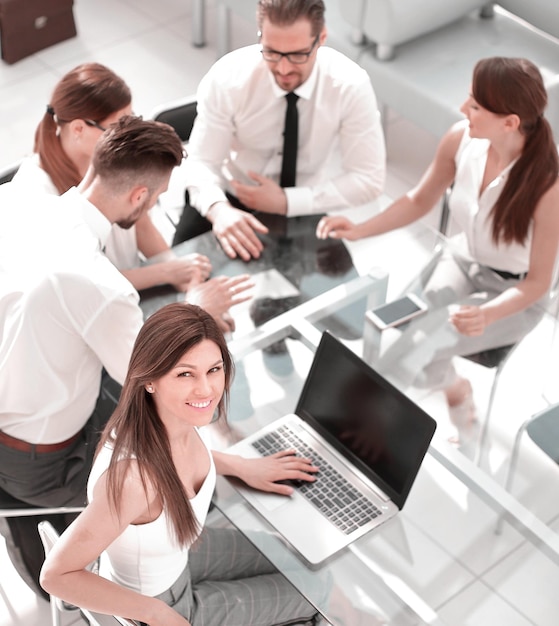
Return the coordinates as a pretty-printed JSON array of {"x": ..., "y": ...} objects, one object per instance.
[
  {"x": 471, "y": 211},
  {"x": 145, "y": 557},
  {"x": 121, "y": 247}
]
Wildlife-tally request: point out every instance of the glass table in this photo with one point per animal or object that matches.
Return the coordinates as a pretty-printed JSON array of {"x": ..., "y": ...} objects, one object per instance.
[
  {"x": 394, "y": 574},
  {"x": 293, "y": 269}
]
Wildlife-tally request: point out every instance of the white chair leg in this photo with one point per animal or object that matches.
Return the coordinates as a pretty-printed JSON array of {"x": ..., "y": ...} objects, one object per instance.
[
  {"x": 511, "y": 470},
  {"x": 485, "y": 423}
]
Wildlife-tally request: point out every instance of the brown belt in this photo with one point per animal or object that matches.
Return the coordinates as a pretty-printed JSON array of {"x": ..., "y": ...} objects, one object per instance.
[{"x": 39, "y": 448}]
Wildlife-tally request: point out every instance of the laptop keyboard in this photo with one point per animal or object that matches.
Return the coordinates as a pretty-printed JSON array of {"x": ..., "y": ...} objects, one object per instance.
[{"x": 332, "y": 494}]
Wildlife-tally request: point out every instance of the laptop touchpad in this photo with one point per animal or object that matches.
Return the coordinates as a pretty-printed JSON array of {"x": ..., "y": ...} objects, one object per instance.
[{"x": 270, "y": 501}]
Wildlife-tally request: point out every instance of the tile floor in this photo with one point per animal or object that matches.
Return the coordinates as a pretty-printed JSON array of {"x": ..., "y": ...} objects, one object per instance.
[{"x": 479, "y": 580}]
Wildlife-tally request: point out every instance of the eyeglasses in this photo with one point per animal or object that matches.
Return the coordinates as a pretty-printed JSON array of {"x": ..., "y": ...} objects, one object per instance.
[
  {"x": 95, "y": 125},
  {"x": 298, "y": 58}
]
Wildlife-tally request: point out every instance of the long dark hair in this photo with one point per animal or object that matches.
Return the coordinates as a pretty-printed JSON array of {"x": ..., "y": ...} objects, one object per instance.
[
  {"x": 90, "y": 91},
  {"x": 508, "y": 86},
  {"x": 135, "y": 428}
]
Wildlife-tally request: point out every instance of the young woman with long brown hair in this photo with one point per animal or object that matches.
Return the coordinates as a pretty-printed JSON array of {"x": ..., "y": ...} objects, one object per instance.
[
  {"x": 150, "y": 488},
  {"x": 488, "y": 290}
]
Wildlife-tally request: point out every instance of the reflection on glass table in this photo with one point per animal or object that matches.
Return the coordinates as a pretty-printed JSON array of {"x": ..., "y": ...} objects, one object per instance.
[{"x": 294, "y": 267}]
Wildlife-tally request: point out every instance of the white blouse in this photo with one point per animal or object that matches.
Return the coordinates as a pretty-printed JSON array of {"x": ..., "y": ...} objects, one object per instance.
[
  {"x": 471, "y": 211},
  {"x": 145, "y": 557}
]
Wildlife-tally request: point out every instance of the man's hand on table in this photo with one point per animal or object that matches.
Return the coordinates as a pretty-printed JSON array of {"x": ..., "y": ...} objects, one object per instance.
[{"x": 236, "y": 231}]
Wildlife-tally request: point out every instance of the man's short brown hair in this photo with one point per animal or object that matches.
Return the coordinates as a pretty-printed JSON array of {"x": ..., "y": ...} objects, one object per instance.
[
  {"x": 287, "y": 12},
  {"x": 136, "y": 151}
]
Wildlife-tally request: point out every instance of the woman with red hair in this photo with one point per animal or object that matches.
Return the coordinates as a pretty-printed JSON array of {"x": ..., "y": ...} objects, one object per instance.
[{"x": 84, "y": 103}]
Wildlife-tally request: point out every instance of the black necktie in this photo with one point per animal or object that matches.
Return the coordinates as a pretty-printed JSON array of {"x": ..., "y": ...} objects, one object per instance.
[{"x": 290, "y": 134}]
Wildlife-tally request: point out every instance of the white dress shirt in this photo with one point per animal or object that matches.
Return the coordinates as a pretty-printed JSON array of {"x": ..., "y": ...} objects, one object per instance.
[
  {"x": 341, "y": 159},
  {"x": 121, "y": 246},
  {"x": 472, "y": 210},
  {"x": 65, "y": 312}
]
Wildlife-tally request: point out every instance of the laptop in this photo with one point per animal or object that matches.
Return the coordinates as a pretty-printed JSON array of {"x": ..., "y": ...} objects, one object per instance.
[{"x": 362, "y": 432}]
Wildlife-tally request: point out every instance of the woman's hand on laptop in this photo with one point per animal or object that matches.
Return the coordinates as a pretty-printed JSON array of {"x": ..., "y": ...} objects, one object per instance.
[
  {"x": 271, "y": 473},
  {"x": 275, "y": 472}
]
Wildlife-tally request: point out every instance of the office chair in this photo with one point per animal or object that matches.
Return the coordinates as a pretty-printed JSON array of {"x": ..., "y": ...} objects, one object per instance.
[
  {"x": 179, "y": 114},
  {"x": 11, "y": 507},
  {"x": 543, "y": 430},
  {"x": 8, "y": 172},
  {"x": 49, "y": 537}
]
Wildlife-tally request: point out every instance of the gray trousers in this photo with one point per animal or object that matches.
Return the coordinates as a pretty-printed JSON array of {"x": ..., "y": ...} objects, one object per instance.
[
  {"x": 58, "y": 478},
  {"x": 228, "y": 581},
  {"x": 422, "y": 354},
  {"x": 48, "y": 480}
]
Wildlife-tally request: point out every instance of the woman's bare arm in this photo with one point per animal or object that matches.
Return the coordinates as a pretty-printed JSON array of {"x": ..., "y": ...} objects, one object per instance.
[
  {"x": 64, "y": 572},
  {"x": 409, "y": 207}
]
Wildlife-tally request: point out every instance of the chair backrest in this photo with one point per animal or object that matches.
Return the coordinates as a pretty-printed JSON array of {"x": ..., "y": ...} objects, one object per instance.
[
  {"x": 543, "y": 429},
  {"x": 8, "y": 172},
  {"x": 180, "y": 114},
  {"x": 49, "y": 536}
]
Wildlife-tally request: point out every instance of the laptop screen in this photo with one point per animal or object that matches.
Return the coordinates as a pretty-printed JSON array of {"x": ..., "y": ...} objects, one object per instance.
[{"x": 378, "y": 428}]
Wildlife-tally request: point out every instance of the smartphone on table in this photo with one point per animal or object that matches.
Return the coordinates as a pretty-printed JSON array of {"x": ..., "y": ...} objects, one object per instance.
[{"x": 397, "y": 312}]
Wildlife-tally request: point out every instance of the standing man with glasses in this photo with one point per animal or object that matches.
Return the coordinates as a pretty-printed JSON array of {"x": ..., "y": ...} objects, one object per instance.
[{"x": 286, "y": 126}]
